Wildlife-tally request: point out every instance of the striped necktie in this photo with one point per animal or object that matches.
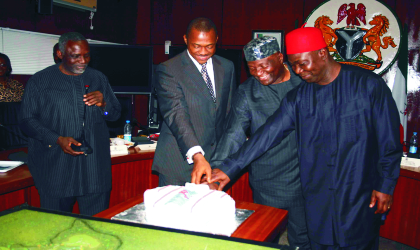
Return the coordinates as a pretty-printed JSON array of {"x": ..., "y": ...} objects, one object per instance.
[{"x": 207, "y": 80}]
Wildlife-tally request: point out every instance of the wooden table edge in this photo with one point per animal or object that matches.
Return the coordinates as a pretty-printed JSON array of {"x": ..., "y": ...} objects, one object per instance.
[{"x": 277, "y": 223}]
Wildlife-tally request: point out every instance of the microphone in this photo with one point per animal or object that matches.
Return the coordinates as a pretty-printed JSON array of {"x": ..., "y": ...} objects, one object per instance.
[{"x": 85, "y": 147}]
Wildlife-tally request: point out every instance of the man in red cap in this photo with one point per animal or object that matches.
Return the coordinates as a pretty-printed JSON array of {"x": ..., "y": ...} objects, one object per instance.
[{"x": 347, "y": 128}]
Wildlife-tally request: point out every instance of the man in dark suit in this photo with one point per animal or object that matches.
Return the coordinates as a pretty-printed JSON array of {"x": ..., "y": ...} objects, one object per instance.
[
  {"x": 61, "y": 104},
  {"x": 194, "y": 92},
  {"x": 274, "y": 177}
]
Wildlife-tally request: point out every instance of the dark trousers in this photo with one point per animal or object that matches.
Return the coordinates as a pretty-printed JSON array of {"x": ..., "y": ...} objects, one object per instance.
[
  {"x": 166, "y": 180},
  {"x": 89, "y": 204},
  {"x": 371, "y": 245},
  {"x": 297, "y": 231}
]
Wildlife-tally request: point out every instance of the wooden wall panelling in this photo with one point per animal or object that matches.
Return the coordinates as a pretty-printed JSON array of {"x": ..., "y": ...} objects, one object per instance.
[
  {"x": 18, "y": 14},
  {"x": 12, "y": 199},
  {"x": 406, "y": 10},
  {"x": 143, "y": 22},
  {"x": 242, "y": 191},
  {"x": 141, "y": 109},
  {"x": 159, "y": 55},
  {"x": 154, "y": 180},
  {"x": 33, "y": 197},
  {"x": 128, "y": 180},
  {"x": 115, "y": 21},
  {"x": 399, "y": 224},
  {"x": 171, "y": 18},
  {"x": 241, "y": 17},
  {"x": 308, "y": 7}
]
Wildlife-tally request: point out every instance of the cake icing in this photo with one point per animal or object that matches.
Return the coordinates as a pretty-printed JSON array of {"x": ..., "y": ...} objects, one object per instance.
[{"x": 191, "y": 207}]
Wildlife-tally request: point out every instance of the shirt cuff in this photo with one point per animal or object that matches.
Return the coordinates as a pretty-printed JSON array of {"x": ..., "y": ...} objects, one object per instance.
[
  {"x": 230, "y": 168},
  {"x": 103, "y": 110},
  {"x": 51, "y": 138},
  {"x": 192, "y": 151},
  {"x": 386, "y": 186}
]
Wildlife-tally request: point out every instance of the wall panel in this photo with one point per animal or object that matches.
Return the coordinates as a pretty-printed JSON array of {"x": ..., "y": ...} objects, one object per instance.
[
  {"x": 143, "y": 22},
  {"x": 170, "y": 18},
  {"x": 241, "y": 17},
  {"x": 308, "y": 7}
]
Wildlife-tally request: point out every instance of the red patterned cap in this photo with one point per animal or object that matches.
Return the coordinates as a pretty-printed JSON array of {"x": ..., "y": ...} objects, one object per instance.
[{"x": 304, "y": 40}]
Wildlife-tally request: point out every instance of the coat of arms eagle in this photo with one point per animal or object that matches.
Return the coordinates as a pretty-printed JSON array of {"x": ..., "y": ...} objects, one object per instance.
[{"x": 352, "y": 14}]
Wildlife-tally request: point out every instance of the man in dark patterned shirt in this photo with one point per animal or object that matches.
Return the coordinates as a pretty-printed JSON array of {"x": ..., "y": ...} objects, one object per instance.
[
  {"x": 60, "y": 104},
  {"x": 274, "y": 177}
]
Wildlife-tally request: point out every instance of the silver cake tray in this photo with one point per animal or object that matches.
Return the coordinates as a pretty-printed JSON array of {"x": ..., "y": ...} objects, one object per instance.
[{"x": 137, "y": 214}]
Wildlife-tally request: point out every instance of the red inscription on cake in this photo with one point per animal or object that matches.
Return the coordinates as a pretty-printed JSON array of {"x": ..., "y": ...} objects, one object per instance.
[{"x": 184, "y": 192}]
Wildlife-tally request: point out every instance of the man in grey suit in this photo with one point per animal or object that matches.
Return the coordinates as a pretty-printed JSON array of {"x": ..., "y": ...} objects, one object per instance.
[{"x": 194, "y": 92}]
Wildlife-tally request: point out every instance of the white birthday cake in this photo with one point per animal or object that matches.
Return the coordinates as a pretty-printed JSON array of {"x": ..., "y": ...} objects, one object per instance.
[{"x": 191, "y": 207}]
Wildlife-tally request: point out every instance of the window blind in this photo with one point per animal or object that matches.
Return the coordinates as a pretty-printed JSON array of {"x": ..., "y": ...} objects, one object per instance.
[{"x": 30, "y": 52}]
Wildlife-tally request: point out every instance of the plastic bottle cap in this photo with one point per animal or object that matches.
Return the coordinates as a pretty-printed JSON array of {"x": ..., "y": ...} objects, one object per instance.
[{"x": 128, "y": 121}]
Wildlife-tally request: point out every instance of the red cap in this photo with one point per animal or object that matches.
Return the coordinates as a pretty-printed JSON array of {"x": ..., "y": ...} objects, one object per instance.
[
  {"x": 304, "y": 40},
  {"x": 86, "y": 86}
]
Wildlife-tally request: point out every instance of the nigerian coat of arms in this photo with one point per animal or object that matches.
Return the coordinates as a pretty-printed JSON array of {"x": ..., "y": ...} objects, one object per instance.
[{"x": 365, "y": 33}]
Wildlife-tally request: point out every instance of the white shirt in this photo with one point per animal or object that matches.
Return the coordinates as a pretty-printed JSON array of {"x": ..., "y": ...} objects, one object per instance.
[
  {"x": 196, "y": 149},
  {"x": 210, "y": 70}
]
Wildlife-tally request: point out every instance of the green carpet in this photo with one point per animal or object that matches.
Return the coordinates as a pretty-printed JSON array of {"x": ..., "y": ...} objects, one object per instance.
[{"x": 28, "y": 229}]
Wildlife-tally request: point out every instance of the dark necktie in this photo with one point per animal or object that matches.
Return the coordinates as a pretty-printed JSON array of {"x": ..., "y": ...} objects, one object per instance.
[{"x": 207, "y": 80}]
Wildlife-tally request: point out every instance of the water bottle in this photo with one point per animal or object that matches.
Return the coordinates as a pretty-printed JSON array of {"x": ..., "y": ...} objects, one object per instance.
[
  {"x": 127, "y": 131},
  {"x": 413, "y": 144}
]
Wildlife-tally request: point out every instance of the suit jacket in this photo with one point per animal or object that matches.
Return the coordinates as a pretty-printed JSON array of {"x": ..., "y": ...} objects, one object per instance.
[
  {"x": 53, "y": 106},
  {"x": 191, "y": 118},
  {"x": 274, "y": 176}
]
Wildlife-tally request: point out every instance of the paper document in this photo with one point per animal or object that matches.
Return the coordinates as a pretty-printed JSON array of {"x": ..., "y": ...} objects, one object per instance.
[
  {"x": 410, "y": 162},
  {"x": 147, "y": 146},
  {"x": 119, "y": 150},
  {"x": 9, "y": 165}
]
